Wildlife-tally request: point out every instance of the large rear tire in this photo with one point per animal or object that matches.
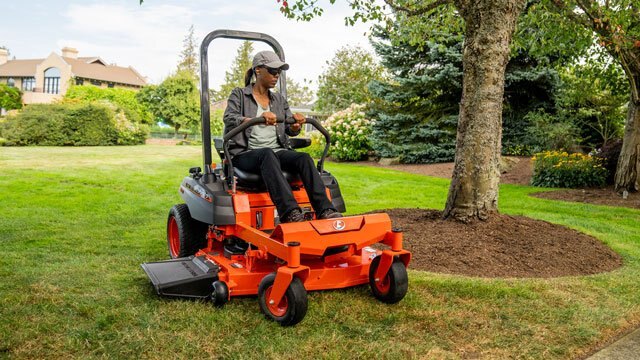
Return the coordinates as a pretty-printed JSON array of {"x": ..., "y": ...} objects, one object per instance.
[
  {"x": 185, "y": 236},
  {"x": 293, "y": 306},
  {"x": 393, "y": 286}
]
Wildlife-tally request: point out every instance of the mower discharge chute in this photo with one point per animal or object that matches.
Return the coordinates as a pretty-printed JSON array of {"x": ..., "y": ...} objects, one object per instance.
[{"x": 226, "y": 239}]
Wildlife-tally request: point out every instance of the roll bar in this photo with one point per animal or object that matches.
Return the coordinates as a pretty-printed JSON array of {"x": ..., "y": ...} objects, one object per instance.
[
  {"x": 205, "y": 106},
  {"x": 260, "y": 120}
]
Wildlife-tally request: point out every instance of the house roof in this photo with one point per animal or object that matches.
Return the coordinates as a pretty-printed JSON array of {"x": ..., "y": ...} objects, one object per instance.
[
  {"x": 20, "y": 68},
  {"x": 98, "y": 71},
  {"x": 85, "y": 67}
]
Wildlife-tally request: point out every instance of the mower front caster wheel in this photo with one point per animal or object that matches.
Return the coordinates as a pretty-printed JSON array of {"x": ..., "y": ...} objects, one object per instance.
[
  {"x": 393, "y": 286},
  {"x": 220, "y": 293},
  {"x": 293, "y": 306}
]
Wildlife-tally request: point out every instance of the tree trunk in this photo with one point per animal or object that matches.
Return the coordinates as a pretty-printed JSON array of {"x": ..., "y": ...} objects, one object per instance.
[
  {"x": 474, "y": 186},
  {"x": 626, "y": 178}
]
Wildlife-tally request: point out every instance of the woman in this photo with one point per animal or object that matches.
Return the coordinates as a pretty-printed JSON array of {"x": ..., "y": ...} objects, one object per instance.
[{"x": 265, "y": 149}]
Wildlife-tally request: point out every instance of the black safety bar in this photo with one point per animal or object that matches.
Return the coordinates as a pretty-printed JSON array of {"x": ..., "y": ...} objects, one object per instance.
[
  {"x": 205, "y": 110},
  {"x": 260, "y": 120}
]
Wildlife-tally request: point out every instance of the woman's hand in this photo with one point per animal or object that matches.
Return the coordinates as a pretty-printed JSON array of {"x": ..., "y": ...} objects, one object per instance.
[
  {"x": 300, "y": 119},
  {"x": 269, "y": 117}
]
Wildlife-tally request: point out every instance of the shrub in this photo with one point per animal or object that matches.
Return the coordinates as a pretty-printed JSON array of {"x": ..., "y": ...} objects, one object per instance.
[
  {"x": 609, "y": 155},
  {"x": 551, "y": 132},
  {"x": 349, "y": 132},
  {"x": 560, "y": 169},
  {"x": 10, "y": 97},
  {"x": 72, "y": 125},
  {"x": 125, "y": 99}
]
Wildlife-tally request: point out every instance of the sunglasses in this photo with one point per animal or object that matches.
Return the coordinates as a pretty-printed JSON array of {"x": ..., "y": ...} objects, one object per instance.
[{"x": 272, "y": 71}]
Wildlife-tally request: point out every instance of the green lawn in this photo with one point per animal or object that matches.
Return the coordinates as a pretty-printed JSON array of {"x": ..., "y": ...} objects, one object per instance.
[{"x": 77, "y": 222}]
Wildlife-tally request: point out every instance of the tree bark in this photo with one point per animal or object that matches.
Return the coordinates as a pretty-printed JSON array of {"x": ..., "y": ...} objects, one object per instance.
[
  {"x": 474, "y": 186},
  {"x": 628, "y": 168}
]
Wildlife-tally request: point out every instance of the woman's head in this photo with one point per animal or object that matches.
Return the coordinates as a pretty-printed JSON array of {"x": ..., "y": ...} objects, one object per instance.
[{"x": 267, "y": 67}]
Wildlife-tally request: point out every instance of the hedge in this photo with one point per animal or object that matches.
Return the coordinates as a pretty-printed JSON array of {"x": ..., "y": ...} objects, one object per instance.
[{"x": 72, "y": 125}]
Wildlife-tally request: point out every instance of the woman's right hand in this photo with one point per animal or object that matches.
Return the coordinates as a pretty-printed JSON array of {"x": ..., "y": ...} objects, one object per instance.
[{"x": 269, "y": 117}]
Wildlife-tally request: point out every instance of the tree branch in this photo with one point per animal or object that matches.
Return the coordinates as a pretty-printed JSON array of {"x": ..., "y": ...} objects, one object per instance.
[{"x": 419, "y": 11}]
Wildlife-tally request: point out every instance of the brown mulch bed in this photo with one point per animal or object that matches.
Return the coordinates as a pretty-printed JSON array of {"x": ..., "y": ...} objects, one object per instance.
[
  {"x": 503, "y": 246},
  {"x": 606, "y": 196}
]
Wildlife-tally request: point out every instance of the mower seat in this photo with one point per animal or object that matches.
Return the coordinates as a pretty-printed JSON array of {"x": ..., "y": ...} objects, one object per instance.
[{"x": 252, "y": 180}]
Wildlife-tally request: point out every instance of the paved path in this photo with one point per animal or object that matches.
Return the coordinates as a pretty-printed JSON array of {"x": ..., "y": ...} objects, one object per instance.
[{"x": 627, "y": 348}]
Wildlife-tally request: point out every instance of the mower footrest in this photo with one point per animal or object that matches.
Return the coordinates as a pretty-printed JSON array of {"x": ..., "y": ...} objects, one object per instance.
[{"x": 189, "y": 277}]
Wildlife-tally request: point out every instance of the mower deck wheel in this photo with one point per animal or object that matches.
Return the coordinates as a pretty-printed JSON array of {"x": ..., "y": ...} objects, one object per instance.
[
  {"x": 393, "y": 286},
  {"x": 185, "y": 236},
  {"x": 220, "y": 294},
  {"x": 293, "y": 306}
]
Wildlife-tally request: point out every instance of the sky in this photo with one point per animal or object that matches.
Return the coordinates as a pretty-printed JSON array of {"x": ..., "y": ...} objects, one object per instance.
[{"x": 149, "y": 37}]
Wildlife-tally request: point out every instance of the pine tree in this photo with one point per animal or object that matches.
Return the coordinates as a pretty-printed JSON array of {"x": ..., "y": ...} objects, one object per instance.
[
  {"x": 234, "y": 77},
  {"x": 417, "y": 115},
  {"x": 189, "y": 54},
  {"x": 418, "y": 109}
]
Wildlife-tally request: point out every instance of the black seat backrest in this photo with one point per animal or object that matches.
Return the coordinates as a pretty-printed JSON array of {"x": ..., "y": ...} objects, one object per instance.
[{"x": 252, "y": 180}]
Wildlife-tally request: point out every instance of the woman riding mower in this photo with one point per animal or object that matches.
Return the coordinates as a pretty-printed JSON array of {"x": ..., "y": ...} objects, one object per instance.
[{"x": 265, "y": 149}]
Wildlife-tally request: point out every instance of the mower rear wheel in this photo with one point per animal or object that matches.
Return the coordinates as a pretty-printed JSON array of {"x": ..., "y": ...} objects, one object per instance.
[
  {"x": 393, "y": 286},
  {"x": 293, "y": 306},
  {"x": 185, "y": 236}
]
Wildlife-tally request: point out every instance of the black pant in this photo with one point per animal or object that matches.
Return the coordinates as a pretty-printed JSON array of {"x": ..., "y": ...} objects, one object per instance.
[{"x": 269, "y": 165}]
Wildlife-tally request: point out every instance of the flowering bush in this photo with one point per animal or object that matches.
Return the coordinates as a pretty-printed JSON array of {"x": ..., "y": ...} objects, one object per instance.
[
  {"x": 560, "y": 169},
  {"x": 349, "y": 130}
]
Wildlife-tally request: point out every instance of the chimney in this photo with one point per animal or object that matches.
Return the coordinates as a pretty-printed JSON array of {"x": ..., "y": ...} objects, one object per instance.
[
  {"x": 69, "y": 52},
  {"x": 4, "y": 56}
]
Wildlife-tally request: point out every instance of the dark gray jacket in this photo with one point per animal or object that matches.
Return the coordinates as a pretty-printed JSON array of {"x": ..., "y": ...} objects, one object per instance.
[{"x": 241, "y": 105}]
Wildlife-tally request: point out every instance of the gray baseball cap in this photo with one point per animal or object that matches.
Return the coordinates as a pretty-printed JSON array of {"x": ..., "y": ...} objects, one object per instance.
[{"x": 269, "y": 59}]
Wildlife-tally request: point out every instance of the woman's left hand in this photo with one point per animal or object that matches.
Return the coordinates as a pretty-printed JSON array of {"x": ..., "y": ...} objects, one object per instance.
[{"x": 300, "y": 119}]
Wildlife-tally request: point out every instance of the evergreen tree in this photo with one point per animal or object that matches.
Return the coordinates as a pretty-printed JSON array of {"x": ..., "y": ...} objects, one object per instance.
[
  {"x": 418, "y": 110},
  {"x": 189, "y": 55},
  {"x": 234, "y": 77},
  {"x": 417, "y": 115}
]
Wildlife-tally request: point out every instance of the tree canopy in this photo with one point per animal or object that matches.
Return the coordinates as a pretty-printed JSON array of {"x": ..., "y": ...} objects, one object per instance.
[
  {"x": 346, "y": 79},
  {"x": 175, "y": 101}
]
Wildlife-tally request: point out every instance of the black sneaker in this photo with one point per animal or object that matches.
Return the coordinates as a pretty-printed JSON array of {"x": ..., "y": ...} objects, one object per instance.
[
  {"x": 294, "y": 215},
  {"x": 329, "y": 214}
]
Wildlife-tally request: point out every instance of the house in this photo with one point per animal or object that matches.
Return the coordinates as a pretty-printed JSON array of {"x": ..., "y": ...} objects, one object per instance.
[{"x": 45, "y": 80}]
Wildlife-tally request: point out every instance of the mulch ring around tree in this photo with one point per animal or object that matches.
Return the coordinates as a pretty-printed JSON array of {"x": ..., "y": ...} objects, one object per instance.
[
  {"x": 606, "y": 196},
  {"x": 503, "y": 246}
]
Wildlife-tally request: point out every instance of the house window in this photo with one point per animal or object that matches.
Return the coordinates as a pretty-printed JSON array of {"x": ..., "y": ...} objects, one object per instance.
[
  {"x": 96, "y": 82},
  {"x": 28, "y": 83},
  {"x": 52, "y": 81},
  {"x": 111, "y": 85},
  {"x": 79, "y": 81},
  {"x": 11, "y": 82}
]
